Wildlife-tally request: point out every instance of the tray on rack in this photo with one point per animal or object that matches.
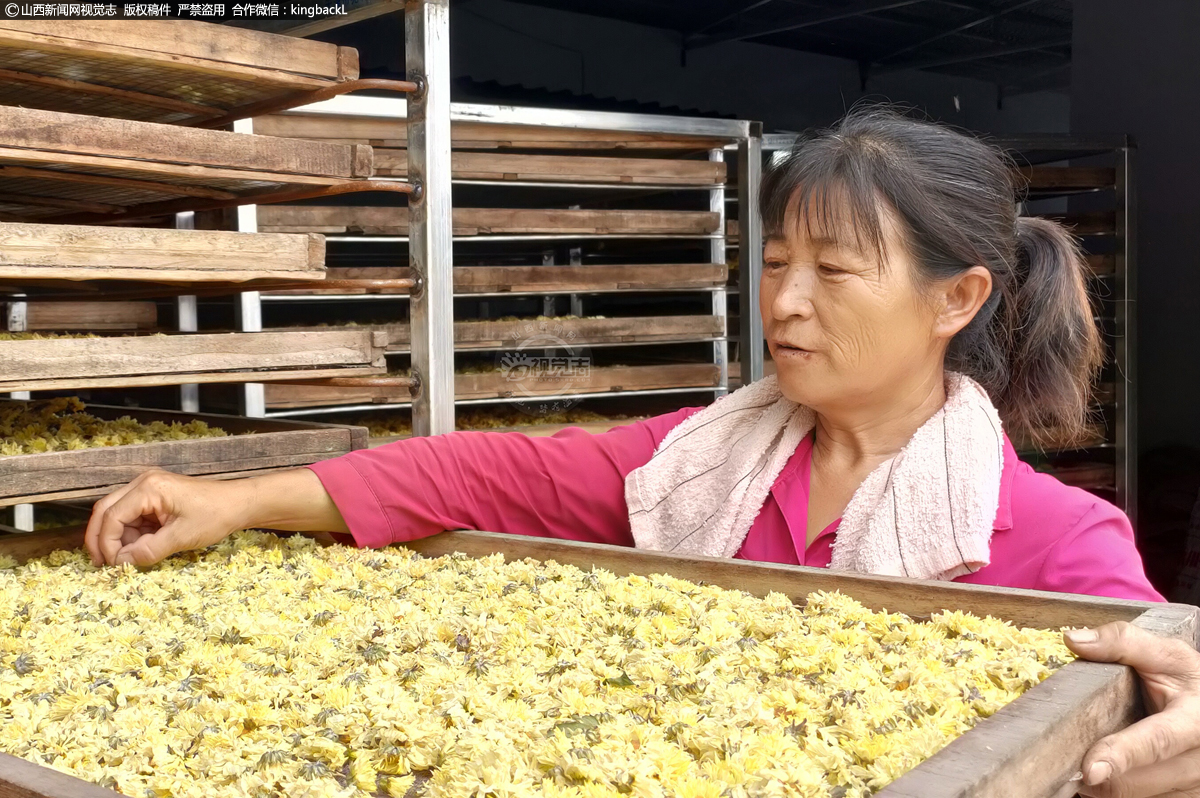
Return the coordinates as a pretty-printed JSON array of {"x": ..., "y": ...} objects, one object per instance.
[
  {"x": 1031, "y": 747},
  {"x": 62, "y": 363},
  {"x": 70, "y": 168},
  {"x": 30, "y": 253},
  {"x": 520, "y": 167},
  {"x": 470, "y": 135},
  {"x": 487, "y": 221},
  {"x": 83, "y": 316},
  {"x": 537, "y": 279},
  {"x": 506, "y": 384},
  {"x": 178, "y": 71},
  {"x": 500, "y": 334},
  {"x": 253, "y": 445}
]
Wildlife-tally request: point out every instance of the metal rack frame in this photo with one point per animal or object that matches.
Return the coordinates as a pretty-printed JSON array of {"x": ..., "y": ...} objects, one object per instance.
[{"x": 431, "y": 255}]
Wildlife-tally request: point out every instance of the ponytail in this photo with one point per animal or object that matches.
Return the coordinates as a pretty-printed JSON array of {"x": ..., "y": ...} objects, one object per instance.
[{"x": 1051, "y": 342}]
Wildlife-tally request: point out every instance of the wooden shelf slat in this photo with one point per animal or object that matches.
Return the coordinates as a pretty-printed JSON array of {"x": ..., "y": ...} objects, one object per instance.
[
  {"x": 77, "y": 252},
  {"x": 1068, "y": 177},
  {"x": 473, "y": 135},
  {"x": 482, "y": 221},
  {"x": 252, "y": 445},
  {"x": 491, "y": 334},
  {"x": 490, "y": 385},
  {"x": 106, "y": 170},
  {"x": 178, "y": 72},
  {"x": 535, "y": 279},
  {"x": 64, "y": 363},
  {"x": 1103, "y": 223},
  {"x": 90, "y": 316},
  {"x": 563, "y": 168}
]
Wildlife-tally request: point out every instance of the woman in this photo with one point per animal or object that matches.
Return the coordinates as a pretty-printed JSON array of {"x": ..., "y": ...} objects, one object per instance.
[{"x": 911, "y": 315}]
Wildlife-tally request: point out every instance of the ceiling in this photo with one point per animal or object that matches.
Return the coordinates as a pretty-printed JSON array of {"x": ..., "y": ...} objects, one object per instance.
[{"x": 1019, "y": 45}]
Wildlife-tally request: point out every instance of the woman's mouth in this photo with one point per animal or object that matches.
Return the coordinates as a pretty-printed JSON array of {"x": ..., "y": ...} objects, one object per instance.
[{"x": 782, "y": 349}]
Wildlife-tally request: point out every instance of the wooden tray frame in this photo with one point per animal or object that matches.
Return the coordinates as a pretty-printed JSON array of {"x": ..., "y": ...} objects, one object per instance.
[
  {"x": 377, "y": 220},
  {"x": 253, "y": 445},
  {"x": 538, "y": 279},
  {"x": 493, "y": 385},
  {"x": 1030, "y": 748},
  {"x": 105, "y": 68},
  {"x": 126, "y": 361},
  {"x": 70, "y": 169},
  {"x": 493, "y": 334}
]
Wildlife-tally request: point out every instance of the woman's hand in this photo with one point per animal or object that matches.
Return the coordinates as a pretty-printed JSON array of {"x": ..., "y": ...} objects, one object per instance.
[
  {"x": 160, "y": 513},
  {"x": 1158, "y": 756}
]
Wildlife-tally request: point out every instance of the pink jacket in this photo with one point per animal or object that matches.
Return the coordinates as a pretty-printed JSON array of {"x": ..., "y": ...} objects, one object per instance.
[{"x": 1048, "y": 536}]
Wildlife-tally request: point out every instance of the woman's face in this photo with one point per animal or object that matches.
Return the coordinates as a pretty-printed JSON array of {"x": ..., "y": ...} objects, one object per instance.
[{"x": 846, "y": 331}]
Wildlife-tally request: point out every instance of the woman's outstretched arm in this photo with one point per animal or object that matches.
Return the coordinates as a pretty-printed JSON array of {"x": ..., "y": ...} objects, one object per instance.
[
  {"x": 569, "y": 485},
  {"x": 160, "y": 513}
]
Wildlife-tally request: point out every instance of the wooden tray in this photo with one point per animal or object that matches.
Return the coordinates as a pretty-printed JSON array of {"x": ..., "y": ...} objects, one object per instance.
[
  {"x": 253, "y": 445},
  {"x": 474, "y": 135},
  {"x": 80, "y": 169},
  {"x": 127, "y": 361},
  {"x": 564, "y": 168},
  {"x": 179, "y": 71},
  {"x": 1030, "y": 748},
  {"x": 510, "y": 334},
  {"x": 33, "y": 252},
  {"x": 482, "y": 221},
  {"x": 1068, "y": 177},
  {"x": 88, "y": 316},
  {"x": 494, "y": 385},
  {"x": 540, "y": 279}
]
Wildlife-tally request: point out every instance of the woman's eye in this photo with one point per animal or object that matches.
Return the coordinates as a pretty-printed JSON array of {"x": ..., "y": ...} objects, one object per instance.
[
  {"x": 830, "y": 271},
  {"x": 775, "y": 264}
]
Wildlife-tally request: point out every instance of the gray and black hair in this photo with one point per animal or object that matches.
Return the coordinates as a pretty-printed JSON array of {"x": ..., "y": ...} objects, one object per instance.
[{"x": 1033, "y": 345}]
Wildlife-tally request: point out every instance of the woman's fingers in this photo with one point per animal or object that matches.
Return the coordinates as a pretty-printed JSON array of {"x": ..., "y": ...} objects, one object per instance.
[
  {"x": 148, "y": 549},
  {"x": 1129, "y": 645},
  {"x": 91, "y": 538},
  {"x": 144, "y": 497},
  {"x": 1177, "y": 776}
]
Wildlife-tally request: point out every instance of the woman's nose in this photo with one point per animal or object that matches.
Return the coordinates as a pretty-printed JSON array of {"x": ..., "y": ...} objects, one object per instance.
[{"x": 794, "y": 297}]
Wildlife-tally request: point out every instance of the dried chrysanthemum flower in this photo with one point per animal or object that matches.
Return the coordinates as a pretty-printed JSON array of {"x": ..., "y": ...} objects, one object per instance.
[{"x": 277, "y": 666}]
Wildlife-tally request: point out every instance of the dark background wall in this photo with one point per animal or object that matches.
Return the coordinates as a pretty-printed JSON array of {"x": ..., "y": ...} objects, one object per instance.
[{"x": 1135, "y": 70}]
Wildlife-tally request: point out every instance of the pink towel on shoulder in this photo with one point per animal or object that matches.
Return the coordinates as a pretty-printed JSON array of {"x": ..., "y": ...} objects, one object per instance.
[{"x": 926, "y": 513}]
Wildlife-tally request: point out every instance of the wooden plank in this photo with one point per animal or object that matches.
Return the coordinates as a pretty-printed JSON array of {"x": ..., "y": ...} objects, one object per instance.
[
  {"x": 532, "y": 430},
  {"x": 20, "y": 778},
  {"x": 627, "y": 329},
  {"x": 77, "y": 252},
  {"x": 200, "y": 45},
  {"x": 76, "y": 134},
  {"x": 1052, "y": 177},
  {"x": 1102, "y": 265},
  {"x": 563, "y": 168},
  {"x": 40, "y": 364},
  {"x": 479, "y": 221},
  {"x": 90, "y": 316},
  {"x": 254, "y": 444},
  {"x": 1091, "y": 223},
  {"x": 164, "y": 172},
  {"x": 497, "y": 385},
  {"x": 896, "y": 594},
  {"x": 474, "y": 135},
  {"x": 186, "y": 378},
  {"x": 538, "y": 279}
]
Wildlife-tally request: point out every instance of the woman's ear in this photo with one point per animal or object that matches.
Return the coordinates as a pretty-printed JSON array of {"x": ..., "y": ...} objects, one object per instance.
[{"x": 964, "y": 296}]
